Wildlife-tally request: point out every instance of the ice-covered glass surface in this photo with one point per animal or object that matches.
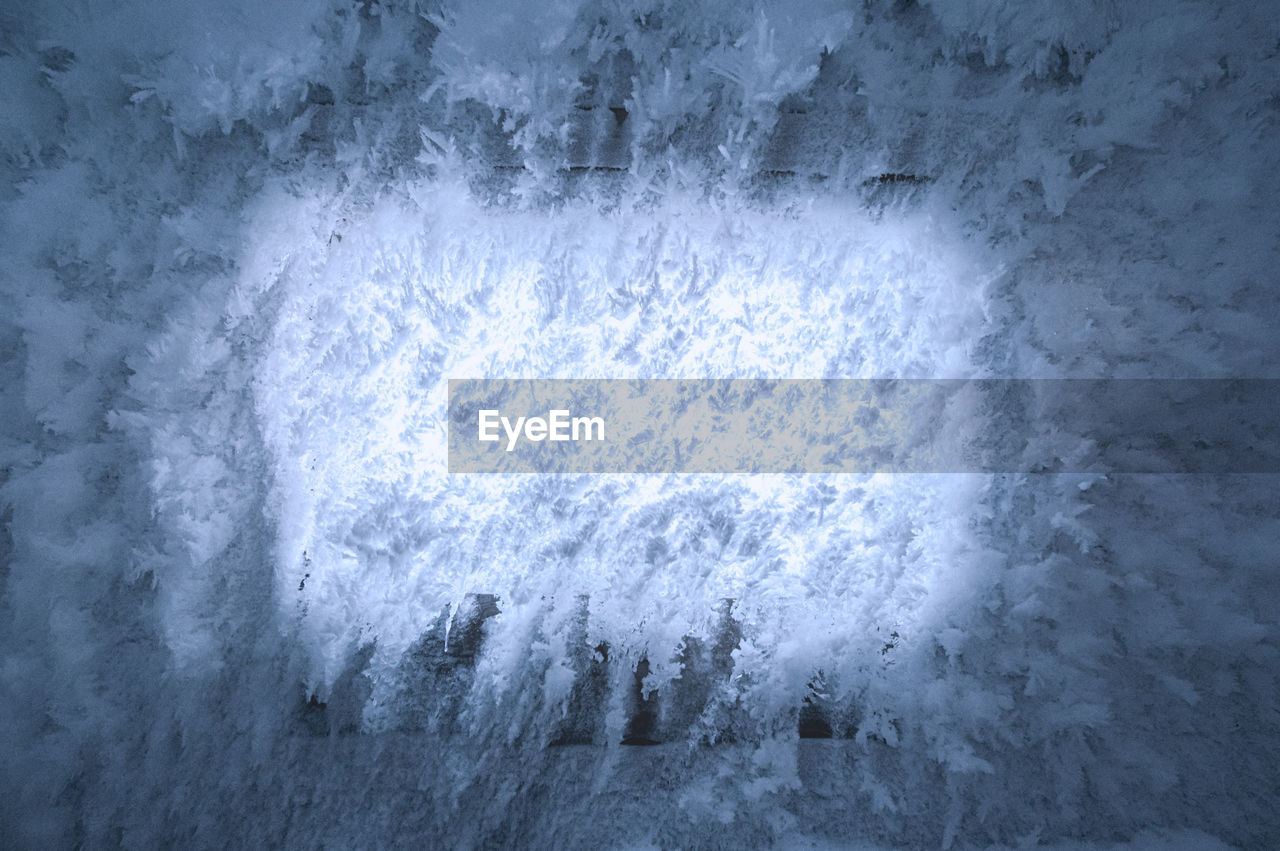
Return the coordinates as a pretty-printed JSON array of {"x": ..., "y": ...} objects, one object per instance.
[{"x": 246, "y": 246}]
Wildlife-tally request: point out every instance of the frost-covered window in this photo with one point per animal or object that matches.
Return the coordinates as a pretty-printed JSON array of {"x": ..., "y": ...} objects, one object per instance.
[{"x": 244, "y": 247}]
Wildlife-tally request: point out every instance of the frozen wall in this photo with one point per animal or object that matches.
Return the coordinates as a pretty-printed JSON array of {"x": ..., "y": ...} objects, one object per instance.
[{"x": 244, "y": 246}]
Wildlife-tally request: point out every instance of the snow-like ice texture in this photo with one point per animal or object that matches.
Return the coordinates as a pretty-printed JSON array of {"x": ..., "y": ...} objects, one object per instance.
[{"x": 245, "y": 245}]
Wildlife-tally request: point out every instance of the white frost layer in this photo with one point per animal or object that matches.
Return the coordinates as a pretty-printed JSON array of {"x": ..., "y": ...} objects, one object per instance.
[
  {"x": 200, "y": 383},
  {"x": 378, "y": 309}
]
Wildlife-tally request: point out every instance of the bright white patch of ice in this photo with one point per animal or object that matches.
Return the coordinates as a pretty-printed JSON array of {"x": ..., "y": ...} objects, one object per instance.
[{"x": 375, "y": 309}]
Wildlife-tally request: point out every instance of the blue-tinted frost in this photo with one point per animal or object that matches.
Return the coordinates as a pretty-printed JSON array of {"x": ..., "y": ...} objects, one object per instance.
[{"x": 245, "y": 245}]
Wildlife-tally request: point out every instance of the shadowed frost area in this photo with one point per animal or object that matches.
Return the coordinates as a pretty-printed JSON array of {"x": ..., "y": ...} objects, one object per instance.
[{"x": 244, "y": 248}]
